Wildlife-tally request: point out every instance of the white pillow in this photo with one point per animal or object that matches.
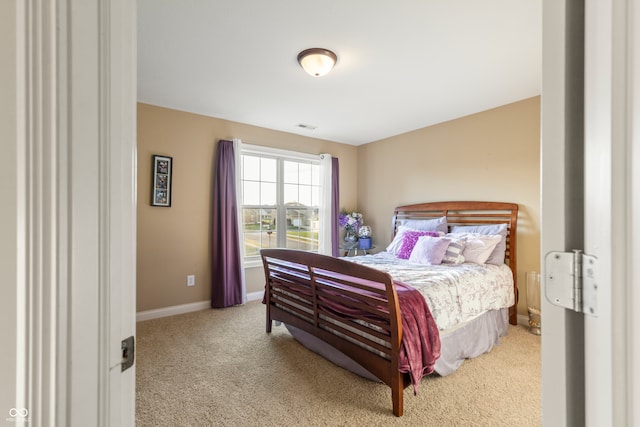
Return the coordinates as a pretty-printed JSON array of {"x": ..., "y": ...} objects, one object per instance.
[
  {"x": 429, "y": 250},
  {"x": 435, "y": 224},
  {"x": 396, "y": 243},
  {"x": 497, "y": 256},
  {"x": 478, "y": 247}
]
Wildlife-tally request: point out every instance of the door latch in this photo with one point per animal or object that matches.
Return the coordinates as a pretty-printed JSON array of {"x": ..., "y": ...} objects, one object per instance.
[
  {"x": 128, "y": 353},
  {"x": 571, "y": 281}
]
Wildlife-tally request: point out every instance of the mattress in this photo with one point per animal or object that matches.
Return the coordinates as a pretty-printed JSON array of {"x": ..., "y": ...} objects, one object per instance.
[{"x": 454, "y": 294}]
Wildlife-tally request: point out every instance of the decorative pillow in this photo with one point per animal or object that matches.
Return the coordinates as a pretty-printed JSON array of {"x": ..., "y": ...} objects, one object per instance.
[
  {"x": 453, "y": 254},
  {"x": 429, "y": 250},
  {"x": 436, "y": 224},
  {"x": 396, "y": 243},
  {"x": 409, "y": 240},
  {"x": 478, "y": 247},
  {"x": 497, "y": 256}
]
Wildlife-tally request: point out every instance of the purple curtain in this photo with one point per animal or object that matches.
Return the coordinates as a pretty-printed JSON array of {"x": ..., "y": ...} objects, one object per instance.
[
  {"x": 335, "y": 207},
  {"x": 226, "y": 274}
]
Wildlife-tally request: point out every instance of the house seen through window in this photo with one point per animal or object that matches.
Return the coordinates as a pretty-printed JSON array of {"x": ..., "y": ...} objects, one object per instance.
[{"x": 280, "y": 200}]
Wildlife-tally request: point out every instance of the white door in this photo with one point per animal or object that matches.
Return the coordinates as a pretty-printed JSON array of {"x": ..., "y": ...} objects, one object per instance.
[
  {"x": 68, "y": 211},
  {"x": 589, "y": 363},
  {"x": 119, "y": 67}
]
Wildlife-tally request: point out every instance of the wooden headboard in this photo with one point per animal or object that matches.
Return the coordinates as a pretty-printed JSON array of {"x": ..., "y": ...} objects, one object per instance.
[{"x": 470, "y": 213}]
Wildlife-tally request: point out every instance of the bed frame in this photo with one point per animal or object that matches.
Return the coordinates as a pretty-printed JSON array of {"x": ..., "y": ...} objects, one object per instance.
[{"x": 298, "y": 285}]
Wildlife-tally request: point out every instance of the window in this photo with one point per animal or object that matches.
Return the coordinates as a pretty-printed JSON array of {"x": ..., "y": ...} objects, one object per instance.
[{"x": 280, "y": 200}]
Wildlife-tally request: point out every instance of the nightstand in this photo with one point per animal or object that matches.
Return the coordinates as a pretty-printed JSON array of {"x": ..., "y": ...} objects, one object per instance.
[{"x": 354, "y": 250}]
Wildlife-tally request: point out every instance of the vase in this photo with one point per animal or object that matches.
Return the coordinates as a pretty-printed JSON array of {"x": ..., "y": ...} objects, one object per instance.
[
  {"x": 532, "y": 279},
  {"x": 350, "y": 236}
]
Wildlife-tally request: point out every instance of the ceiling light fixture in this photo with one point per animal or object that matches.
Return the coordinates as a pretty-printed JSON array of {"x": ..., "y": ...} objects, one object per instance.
[{"x": 317, "y": 61}]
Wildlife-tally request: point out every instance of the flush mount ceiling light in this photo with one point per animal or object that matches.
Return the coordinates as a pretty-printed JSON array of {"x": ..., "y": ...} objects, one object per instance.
[{"x": 317, "y": 61}]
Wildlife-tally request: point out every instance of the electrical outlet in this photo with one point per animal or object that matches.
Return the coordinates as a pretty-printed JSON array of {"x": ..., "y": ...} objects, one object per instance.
[{"x": 191, "y": 280}]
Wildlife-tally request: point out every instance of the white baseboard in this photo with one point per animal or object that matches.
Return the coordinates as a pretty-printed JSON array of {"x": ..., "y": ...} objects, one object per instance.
[
  {"x": 255, "y": 296},
  {"x": 185, "y": 308},
  {"x": 172, "y": 311}
]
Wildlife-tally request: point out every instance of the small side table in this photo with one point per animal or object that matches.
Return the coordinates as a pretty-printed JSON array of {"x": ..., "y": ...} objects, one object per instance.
[{"x": 354, "y": 250}]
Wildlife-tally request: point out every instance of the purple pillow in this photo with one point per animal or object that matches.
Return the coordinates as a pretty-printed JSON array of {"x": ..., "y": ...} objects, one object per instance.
[{"x": 410, "y": 239}]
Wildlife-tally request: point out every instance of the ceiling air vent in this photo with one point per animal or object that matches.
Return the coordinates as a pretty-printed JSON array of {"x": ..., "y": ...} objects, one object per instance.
[{"x": 308, "y": 127}]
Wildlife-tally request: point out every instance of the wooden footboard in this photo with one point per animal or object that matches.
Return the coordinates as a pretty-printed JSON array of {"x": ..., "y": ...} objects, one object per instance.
[{"x": 351, "y": 307}]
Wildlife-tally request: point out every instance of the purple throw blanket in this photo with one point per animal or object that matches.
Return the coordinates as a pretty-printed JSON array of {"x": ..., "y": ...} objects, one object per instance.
[{"x": 420, "y": 347}]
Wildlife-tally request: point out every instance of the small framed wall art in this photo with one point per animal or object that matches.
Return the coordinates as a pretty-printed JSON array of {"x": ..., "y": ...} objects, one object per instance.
[{"x": 161, "y": 168}]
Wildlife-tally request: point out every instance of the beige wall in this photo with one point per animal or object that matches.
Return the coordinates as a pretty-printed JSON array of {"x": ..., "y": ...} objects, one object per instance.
[
  {"x": 493, "y": 155},
  {"x": 174, "y": 242}
]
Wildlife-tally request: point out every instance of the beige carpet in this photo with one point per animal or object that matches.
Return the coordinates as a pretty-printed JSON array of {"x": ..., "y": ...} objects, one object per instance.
[{"x": 220, "y": 368}]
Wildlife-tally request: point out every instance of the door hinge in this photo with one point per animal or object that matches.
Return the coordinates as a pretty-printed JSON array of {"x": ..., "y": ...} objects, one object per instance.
[
  {"x": 128, "y": 353},
  {"x": 570, "y": 281}
]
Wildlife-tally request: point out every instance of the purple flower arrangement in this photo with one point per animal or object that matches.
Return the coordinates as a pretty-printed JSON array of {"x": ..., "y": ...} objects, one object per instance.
[{"x": 350, "y": 221}]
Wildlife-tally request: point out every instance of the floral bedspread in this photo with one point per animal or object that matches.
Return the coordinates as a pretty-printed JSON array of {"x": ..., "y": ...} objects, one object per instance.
[{"x": 454, "y": 294}]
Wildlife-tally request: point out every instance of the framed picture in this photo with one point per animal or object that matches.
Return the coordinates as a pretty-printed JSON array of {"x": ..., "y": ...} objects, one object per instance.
[{"x": 161, "y": 169}]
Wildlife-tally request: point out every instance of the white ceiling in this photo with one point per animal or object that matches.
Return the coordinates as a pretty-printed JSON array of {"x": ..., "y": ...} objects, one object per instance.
[{"x": 402, "y": 64}]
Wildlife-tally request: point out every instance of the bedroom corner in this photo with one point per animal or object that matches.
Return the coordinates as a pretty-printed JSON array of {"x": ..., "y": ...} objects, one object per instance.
[{"x": 492, "y": 155}]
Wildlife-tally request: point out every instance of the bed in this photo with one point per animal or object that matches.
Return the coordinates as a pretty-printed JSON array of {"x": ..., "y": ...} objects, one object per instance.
[{"x": 380, "y": 315}]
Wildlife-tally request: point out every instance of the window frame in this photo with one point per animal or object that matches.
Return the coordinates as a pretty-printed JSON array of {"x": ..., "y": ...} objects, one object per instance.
[{"x": 280, "y": 155}]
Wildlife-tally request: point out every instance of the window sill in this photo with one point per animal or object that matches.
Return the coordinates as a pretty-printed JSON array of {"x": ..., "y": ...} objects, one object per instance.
[{"x": 253, "y": 263}]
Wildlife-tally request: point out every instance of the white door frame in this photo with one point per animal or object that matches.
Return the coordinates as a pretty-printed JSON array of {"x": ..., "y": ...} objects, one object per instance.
[
  {"x": 9, "y": 215},
  {"x": 70, "y": 193},
  {"x": 633, "y": 229},
  {"x": 605, "y": 210},
  {"x": 559, "y": 407},
  {"x": 119, "y": 64},
  {"x": 590, "y": 364}
]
